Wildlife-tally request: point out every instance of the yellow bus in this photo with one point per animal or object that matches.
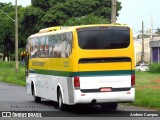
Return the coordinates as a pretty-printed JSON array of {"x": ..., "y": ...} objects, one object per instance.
[{"x": 88, "y": 64}]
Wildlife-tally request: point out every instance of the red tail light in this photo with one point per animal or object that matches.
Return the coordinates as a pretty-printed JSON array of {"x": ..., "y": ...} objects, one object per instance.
[
  {"x": 76, "y": 82},
  {"x": 78, "y": 29},
  {"x": 132, "y": 80}
]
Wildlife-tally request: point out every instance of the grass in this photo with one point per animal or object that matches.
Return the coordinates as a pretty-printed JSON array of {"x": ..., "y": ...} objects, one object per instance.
[
  {"x": 8, "y": 73},
  {"x": 147, "y": 90}
]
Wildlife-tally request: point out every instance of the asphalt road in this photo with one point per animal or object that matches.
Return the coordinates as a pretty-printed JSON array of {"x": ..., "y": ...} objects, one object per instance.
[{"x": 14, "y": 98}]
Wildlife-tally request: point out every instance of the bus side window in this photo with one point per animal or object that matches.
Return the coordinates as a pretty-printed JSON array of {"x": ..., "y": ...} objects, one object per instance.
[{"x": 69, "y": 44}]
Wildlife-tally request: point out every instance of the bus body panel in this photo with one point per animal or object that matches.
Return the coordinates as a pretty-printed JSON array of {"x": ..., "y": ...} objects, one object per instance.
[
  {"x": 46, "y": 87},
  {"x": 105, "y": 97},
  {"x": 105, "y": 82},
  {"x": 114, "y": 74},
  {"x": 31, "y": 78}
]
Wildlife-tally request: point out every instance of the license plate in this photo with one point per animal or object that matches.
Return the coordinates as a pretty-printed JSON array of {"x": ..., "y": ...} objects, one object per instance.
[{"x": 105, "y": 89}]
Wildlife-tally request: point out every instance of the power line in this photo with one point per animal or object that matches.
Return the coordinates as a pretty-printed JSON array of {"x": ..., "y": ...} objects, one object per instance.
[{"x": 7, "y": 15}]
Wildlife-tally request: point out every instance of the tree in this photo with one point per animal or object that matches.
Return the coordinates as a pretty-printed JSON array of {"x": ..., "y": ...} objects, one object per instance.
[
  {"x": 158, "y": 31},
  {"x": 31, "y": 20},
  {"x": 88, "y": 19},
  {"x": 45, "y": 4},
  {"x": 61, "y": 12},
  {"x": 7, "y": 29},
  {"x": 47, "y": 13}
]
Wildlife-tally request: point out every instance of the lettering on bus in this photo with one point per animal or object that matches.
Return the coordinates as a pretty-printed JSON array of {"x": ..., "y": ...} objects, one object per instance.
[
  {"x": 66, "y": 64},
  {"x": 38, "y": 63}
]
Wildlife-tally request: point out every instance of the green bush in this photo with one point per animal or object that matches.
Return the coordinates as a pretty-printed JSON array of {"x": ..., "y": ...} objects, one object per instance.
[
  {"x": 154, "y": 67},
  {"x": 6, "y": 64},
  {"x": 8, "y": 73}
]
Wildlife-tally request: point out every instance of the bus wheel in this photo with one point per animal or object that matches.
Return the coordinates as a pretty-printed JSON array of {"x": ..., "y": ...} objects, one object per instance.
[
  {"x": 109, "y": 106},
  {"x": 36, "y": 99},
  {"x": 61, "y": 105}
]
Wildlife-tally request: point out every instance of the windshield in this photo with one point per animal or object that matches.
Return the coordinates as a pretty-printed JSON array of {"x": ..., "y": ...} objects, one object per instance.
[{"x": 103, "y": 37}]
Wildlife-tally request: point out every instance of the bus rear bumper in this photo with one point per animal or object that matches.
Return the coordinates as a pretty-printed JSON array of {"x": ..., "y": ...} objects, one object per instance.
[{"x": 104, "y": 97}]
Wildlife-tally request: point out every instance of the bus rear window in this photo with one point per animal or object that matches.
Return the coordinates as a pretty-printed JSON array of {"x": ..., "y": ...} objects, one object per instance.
[{"x": 103, "y": 37}]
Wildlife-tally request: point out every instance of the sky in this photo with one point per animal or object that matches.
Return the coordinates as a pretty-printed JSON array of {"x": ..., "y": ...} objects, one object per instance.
[
  {"x": 133, "y": 12},
  {"x": 20, "y": 2}
]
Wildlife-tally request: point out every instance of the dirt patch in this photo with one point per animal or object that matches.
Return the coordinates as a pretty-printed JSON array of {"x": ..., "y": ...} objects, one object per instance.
[
  {"x": 154, "y": 87},
  {"x": 157, "y": 87},
  {"x": 142, "y": 87},
  {"x": 158, "y": 81}
]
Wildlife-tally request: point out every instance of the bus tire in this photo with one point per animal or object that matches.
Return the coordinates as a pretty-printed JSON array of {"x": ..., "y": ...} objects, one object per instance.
[
  {"x": 109, "y": 106},
  {"x": 61, "y": 105},
  {"x": 36, "y": 99}
]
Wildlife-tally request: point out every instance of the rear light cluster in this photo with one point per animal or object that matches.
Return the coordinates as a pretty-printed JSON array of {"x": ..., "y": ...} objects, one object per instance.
[
  {"x": 78, "y": 29},
  {"x": 132, "y": 80},
  {"x": 76, "y": 82}
]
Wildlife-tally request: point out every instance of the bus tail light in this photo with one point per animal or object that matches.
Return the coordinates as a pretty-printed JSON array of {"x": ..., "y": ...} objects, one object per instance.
[
  {"x": 76, "y": 82},
  {"x": 78, "y": 29},
  {"x": 132, "y": 80}
]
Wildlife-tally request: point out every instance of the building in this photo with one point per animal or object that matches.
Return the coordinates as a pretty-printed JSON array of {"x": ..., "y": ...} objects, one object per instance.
[
  {"x": 138, "y": 50},
  {"x": 155, "y": 50}
]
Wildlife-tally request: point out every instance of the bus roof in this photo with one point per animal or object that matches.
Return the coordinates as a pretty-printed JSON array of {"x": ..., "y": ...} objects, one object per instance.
[
  {"x": 59, "y": 29},
  {"x": 50, "y": 29}
]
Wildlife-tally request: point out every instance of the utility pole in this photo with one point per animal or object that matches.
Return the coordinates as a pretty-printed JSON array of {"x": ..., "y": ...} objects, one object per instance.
[
  {"x": 142, "y": 57},
  {"x": 151, "y": 38},
  {"x": 16, "y": 36},
  {"x": 151, "y": 29},
  {"x": 113, "y": 15}
]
